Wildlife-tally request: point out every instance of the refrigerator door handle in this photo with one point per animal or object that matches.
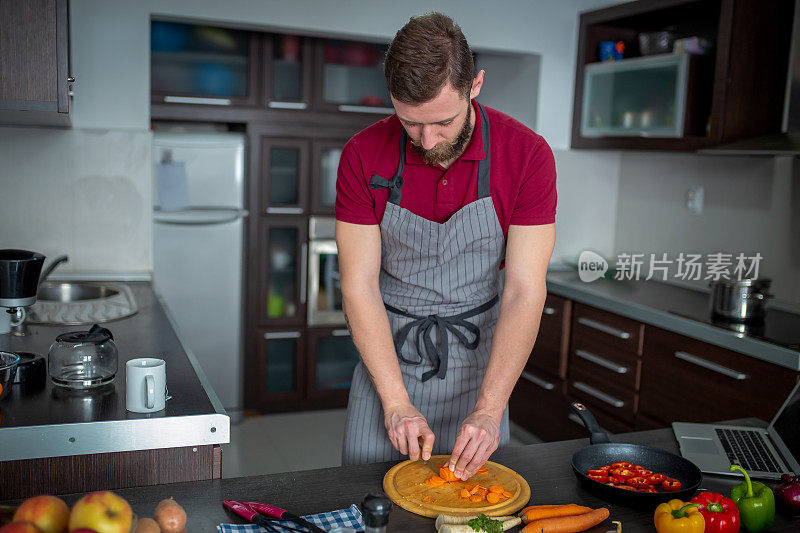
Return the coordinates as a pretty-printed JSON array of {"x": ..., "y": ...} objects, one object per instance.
[{"x": 199, "y": 216}]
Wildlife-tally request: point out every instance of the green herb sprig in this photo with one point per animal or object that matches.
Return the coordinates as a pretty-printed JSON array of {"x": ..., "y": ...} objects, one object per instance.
[{"x": 486, "y": 524}]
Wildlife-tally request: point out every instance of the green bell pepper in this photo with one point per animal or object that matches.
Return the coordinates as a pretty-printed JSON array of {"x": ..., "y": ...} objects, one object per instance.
[{"x": 755, "y": 501}]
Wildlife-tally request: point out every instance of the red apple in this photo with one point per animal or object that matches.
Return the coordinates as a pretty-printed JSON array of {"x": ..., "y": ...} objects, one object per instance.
[
  {"x": 83, "y": 530},
  {"x": 102, "y": 511},
  {"x": 20, "y": 527},
  {"x": 48, "y": 513}
]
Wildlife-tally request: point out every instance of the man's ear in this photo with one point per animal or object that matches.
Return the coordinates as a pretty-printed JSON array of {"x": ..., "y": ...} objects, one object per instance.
[{"x": 477, "y": 83}]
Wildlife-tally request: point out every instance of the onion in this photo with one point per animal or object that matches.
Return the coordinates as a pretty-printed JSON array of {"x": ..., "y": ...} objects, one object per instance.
[{"x": 788, "y": 494}]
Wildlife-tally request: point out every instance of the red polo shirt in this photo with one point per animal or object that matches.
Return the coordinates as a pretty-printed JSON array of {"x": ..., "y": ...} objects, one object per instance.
[{"x": 523, "y": 177}]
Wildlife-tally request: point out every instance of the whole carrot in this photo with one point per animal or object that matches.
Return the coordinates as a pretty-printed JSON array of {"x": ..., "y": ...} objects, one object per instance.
[
  {"x": 567, "y": 524},
  {"x": 529, "y": 514}
]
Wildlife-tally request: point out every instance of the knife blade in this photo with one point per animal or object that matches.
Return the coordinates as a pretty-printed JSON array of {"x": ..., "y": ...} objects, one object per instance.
[{"x": 276, "y": 512}]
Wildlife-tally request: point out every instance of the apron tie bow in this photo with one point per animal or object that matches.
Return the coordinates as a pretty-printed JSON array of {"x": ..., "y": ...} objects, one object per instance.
[
  {"x": 379, "y": 182},
  {"x": 438, "y": 353}
]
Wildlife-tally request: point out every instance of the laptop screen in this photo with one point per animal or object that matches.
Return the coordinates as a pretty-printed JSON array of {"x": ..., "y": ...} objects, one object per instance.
[{"x": 787, "y": 423}]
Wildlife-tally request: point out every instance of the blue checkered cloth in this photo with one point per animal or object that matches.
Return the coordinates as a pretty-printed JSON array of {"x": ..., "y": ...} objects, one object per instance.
[{"x": 341, "y": 518}]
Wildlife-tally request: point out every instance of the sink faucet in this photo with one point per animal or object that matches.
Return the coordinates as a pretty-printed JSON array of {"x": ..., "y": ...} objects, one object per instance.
[{"x": 49, "y": 270}]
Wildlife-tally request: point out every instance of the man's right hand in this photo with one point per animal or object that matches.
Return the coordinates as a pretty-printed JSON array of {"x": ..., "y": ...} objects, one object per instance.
[{"x": 407, "y": 428}]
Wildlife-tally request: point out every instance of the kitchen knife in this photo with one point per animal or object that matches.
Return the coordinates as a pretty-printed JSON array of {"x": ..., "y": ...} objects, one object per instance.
[{"x": 277, "y": 512}]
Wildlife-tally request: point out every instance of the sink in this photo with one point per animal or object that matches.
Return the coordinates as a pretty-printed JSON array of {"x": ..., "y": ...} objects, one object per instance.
[
  {"x": 81, "y": 302},
  {"x": 74, "y": 291}
]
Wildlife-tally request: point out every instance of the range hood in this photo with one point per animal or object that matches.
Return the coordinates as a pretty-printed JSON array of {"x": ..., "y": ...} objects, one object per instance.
[{"x": 788, "y": 141}]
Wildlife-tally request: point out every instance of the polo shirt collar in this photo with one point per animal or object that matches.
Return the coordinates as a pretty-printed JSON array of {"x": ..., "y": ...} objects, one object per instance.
[{"x": 473, "y": 151}]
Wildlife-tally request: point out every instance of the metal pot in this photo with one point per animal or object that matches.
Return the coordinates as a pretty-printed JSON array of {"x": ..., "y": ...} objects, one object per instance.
[{"x": 739, "y": 300}]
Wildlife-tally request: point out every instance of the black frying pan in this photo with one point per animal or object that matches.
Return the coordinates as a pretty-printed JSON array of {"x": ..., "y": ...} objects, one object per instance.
[{"x": 603, "y": 452}]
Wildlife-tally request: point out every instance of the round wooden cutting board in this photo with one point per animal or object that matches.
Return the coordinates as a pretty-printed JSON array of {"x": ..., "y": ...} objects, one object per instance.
[{"x": 405, "y": 484}]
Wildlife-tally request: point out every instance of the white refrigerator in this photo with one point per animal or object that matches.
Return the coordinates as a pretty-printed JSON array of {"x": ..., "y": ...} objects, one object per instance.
[{"x": 198, "y": 225}]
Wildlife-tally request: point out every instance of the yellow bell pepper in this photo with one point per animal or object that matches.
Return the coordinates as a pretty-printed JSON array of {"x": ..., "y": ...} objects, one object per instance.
[{"x": 676, "y": 516}]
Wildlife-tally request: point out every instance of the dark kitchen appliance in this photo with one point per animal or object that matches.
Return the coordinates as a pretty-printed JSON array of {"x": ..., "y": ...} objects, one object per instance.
[
  {"x": 741, "y": 300},
  {"x": 603, "y": 452},
  {"x": 19, "y": 280}
]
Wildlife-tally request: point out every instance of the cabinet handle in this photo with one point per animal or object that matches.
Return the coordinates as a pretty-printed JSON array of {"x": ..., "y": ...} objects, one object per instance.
[
  {"x": 366, "y": 109},
  {"x": 303, "y": 271},
  {"x": 549, "y": 311},
  {"x": 287, "y": 105},
  {"x": 340, "y": 333},
  {"x": 71, "y": 79},
  {"x": 539, "y": 382},
  {"x": 714, "y": 367},
  {"x": 284, "y": 210},
  {"x": 196, "y": 100},
  {"x": 605, "y": 363},
  {"x": 282, "y": 335},
  {"x": 605, "y": 329},
  {"x": 600, "y": 395}
]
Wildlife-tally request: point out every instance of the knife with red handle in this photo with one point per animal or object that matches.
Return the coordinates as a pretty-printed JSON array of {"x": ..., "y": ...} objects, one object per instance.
[{"x": 253, "y": 511}]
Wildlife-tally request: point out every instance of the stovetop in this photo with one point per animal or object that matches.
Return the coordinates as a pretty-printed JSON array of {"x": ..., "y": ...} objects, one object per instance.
[{"x": 777, "y": 327}]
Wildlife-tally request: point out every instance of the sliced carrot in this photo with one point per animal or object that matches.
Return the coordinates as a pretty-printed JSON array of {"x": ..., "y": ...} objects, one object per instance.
[
  {"x": 482, "y": 470},
  {"x": 496, "y": 488},
  {"x": 567, "y": 524},
  {"x": 492, "y": 497},
  {"x": 447, "y": 475},
  {"x": 507, "y": 494},
  {"x": 464, "y": 493},
  {"x": 475, "y": 489},
  {"x": 475, "y": 498},
  {"x": 434, "y": 481},
  {"x": 532, "y": 514}
]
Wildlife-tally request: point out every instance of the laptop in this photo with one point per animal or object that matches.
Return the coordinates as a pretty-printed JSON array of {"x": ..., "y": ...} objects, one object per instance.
[{"x": 764, "y": 453}]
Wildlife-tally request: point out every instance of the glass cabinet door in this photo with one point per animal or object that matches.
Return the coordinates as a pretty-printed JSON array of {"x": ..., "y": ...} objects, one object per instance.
[
  {"x": 284, "y": 176},
  {"x": 332, "y": 358},
  {"x": 283, "y": 271},
  {"x": 326, "y": 165},
  {"x": 636, "y": 97},
  {"x": 193, "y": 64},
  {"x": 280, "y": 360},
  {"x": 352, "y": 77},
  {"x": 288, "y": 72}
]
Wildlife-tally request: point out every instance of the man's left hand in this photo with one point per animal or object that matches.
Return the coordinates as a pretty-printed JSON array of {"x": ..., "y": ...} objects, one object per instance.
[{"x": 478, "y": 439}]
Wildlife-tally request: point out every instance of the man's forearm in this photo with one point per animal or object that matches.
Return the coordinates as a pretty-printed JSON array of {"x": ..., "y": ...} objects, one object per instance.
[
  {"x": 368, "y": 323},
  {"x": 514, "y": 336}
]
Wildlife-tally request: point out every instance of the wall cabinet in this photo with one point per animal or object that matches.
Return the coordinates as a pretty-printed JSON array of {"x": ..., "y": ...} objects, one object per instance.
[
  {"x": 35, "y": 80},
  {"x": 671, "y": 102},
  {"x": 282, "y": 271}
]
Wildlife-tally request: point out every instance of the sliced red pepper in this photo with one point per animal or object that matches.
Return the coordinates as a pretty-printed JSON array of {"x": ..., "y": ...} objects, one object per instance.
[
  {"x": 621, "y": 465},
  {"x": 671, "y": 485},
  {"x": 648, "y": 489},
  {"x": 625, "y": 487},
  {"x": 601, "y": 479},
  {"x": 643, "y": 472},
  {"x": 605, "y": 468},
  {"x": 597, "y": 472},
  {"x": 657, "y": 479},
  {"x": 615, "y": 480},
  {"x": 637, "y": 482},
  {"x": 623, "y": 473}
]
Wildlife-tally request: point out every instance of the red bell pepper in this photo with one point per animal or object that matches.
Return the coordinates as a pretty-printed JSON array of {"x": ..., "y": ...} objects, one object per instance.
[{"x": 720, "y": 513}]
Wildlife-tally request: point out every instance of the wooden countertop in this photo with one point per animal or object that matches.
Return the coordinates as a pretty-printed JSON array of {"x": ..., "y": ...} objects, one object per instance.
[{"x": 545, "y": 466}]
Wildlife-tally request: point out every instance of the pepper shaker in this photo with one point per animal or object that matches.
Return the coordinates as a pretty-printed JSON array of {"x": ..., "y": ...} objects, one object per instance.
[{"x": 376, "y": 507}]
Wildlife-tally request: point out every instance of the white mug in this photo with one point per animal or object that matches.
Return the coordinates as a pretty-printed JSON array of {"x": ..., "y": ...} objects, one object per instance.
[{"x": 145, "y": 385}]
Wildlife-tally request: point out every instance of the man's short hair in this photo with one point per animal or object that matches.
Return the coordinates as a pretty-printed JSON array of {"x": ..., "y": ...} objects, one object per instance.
[{"x": 425, "y": 54}]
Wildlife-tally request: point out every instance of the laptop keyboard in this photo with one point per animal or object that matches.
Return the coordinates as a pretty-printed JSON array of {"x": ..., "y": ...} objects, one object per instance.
[{"x": 747, "y": 449}]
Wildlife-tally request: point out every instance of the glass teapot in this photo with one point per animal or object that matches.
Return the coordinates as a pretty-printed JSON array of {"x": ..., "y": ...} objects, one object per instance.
[{"x": 83, "y": 359}]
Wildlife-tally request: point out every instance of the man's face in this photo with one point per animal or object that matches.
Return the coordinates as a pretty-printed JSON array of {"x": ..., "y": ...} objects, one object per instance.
[{"x": 439, "y": 129}]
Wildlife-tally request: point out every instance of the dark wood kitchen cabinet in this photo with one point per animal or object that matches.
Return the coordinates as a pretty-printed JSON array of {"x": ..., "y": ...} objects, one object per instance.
[
  {"x": 35, "y": 80},
  {"x": 278, "y": 380},
  {"x": 282, "y": 271},
  {"x": 687, "y": 380},
  {"x": 672, "y": 102}
]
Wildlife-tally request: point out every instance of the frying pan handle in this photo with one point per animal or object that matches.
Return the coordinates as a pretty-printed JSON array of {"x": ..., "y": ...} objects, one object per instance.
[{"x": 596, "y": 433}]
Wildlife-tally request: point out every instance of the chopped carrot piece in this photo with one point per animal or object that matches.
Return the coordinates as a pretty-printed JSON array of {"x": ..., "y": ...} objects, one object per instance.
[
  {"x": 475, "y": 489},
  {"x": 447, "y": 475},
  {"x": 507, "y": 494},
  {"x": 475, "y": 498},
  {"x": 464, "y": 493},
  {"x": 482, "y": 470},
  {"x": 496, "y": 488},
  {"x": 493, "y": 497}
]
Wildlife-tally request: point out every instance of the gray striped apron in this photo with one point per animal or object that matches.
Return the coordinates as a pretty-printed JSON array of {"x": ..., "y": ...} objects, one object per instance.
[{"x": 439, "y": 284}]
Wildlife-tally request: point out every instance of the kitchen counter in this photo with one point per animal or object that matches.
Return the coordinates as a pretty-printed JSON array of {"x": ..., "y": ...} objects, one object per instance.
[
  {"x": 54, "y": 422},
  {"x": 546, "y": 467},
  {"x": 671, "y": 307}
]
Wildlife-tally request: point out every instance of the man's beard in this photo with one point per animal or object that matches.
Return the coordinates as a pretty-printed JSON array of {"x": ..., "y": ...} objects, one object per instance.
[{"x": 446, "y": 150}]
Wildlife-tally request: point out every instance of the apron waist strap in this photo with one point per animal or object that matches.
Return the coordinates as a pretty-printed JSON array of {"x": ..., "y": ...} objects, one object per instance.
[{"x": 438, "y": 354}]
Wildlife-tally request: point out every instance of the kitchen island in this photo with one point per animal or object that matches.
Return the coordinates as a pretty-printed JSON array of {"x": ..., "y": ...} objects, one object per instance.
[
  {"x": 546, "y": 467},
  {"x": 54, "y": 440}
]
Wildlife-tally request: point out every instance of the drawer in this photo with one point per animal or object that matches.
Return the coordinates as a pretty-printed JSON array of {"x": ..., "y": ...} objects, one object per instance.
[
  {"x": 538, "y": 406},
  {"x": 597, "y": 326},
  {"x": 602, "y": 395},
  {"x": 686, "y": 380},
  {"x": 547, "y": 352},
  {"x": 605, "y": 363}
]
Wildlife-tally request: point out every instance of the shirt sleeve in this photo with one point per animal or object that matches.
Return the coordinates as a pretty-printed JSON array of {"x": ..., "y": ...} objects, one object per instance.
[
  {"x": 536, "y": 201},
  {"x": 355, "y": 202}
]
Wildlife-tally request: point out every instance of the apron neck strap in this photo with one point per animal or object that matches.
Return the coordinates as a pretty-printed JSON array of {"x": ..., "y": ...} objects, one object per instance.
[{"x": 484, "y": 165}]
